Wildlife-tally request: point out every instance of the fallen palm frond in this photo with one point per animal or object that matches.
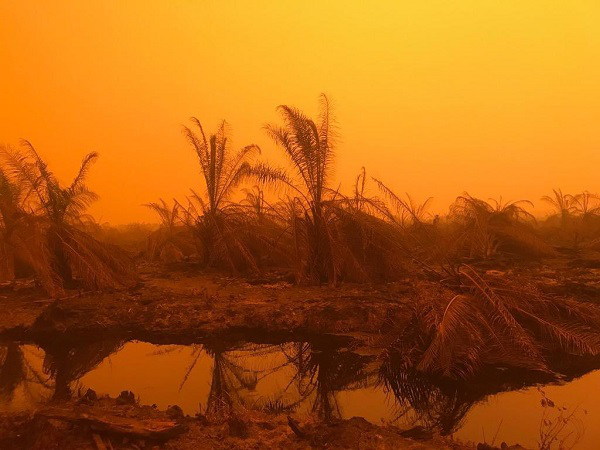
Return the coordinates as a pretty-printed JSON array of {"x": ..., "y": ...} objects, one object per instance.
[{"x": 480, "y": 321}]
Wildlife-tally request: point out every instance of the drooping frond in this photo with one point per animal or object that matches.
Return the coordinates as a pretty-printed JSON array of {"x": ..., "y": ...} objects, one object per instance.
[
  {"x": 491, "y": 321},
  {"x": 89, "y": 159}
]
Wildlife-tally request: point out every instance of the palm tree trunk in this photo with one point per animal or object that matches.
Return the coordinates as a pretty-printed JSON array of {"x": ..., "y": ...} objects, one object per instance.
[{"x": 61, "y": 262}]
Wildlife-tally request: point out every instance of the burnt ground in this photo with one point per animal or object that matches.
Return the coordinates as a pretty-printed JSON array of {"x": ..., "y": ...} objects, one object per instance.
[
  {"x": 180, "y": 304},
  {"x": 107, "y": 423}
]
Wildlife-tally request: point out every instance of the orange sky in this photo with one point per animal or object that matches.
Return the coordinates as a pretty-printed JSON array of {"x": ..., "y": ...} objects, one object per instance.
[{"x": 434, "y": 97}]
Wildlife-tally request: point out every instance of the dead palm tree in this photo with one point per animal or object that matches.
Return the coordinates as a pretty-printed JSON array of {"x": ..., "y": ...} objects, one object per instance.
[
  {"x": 310, "y": 148},
  {"x": 586, "y": 204},
  {"x": 216, "y": 218},
  {"x": 404, "y": 212},
  {"x": 61, "y": 211},
  {"x": 173, "y": 240},
  {"x": 22, "y": 239},
  {"x": 563, "y": 204},
  {"x": 587, "y": 207},
  {"x": 487, "y": 228},
  {"x": 9, "y": 214},
  {"x": 229, "y": 377}
]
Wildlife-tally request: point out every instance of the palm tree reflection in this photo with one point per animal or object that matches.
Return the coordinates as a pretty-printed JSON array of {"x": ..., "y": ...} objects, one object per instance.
[
  {"x": 439, "y": 407},
  {"x": 314, "y": 374},
  {"x": 18, "y": 370},
  {"x": 67, "y": 362},
  {"x": 439, "y": 403},
  {"x": 322, "y": 372}
]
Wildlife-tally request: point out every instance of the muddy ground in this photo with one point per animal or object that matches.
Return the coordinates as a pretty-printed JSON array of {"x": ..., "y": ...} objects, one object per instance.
[
  {"x": 110, "y": 423},
  {"x": 180, "y": 304},
  {"x": 86, "y": 422}
]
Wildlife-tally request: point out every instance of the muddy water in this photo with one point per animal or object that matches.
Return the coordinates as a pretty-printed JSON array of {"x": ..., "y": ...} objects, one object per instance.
[{"x": 294, "y": 377}]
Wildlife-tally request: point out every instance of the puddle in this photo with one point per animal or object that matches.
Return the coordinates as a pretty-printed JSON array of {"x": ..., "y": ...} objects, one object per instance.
[{"x": 295, "y": 376}]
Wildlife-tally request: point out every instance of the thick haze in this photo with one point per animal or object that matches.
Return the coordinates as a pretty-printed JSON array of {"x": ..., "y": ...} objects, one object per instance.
[{"x": 433, "y": 97}]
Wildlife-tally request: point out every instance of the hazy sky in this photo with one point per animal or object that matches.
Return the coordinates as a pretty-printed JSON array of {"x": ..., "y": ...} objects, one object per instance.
[{"x": 433, "y": 97}]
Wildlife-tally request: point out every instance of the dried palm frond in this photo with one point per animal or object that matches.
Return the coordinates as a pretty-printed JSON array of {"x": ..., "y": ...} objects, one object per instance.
[
  {"x": 22, "y": 235},
  {"x": 493, "y": 321},
  {"x": 97, "y": 264},
  {"x": 407, "y": 212},
  {"x": 418, "y": 398}
]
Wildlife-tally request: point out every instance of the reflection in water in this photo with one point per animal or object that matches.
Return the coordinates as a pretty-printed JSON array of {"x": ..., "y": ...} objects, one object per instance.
[
  {"x": 307, "y": 378},
  {"x": 66, "y": 363},
  {"x": 229, "y": 378},
  {"x": 313, "y": 376},
  {"x": 12, "y": 370},
  {"x": 418, "y": 399},
  {"x": 22, "y": 381},
  {"x": 320, "y": 373}
]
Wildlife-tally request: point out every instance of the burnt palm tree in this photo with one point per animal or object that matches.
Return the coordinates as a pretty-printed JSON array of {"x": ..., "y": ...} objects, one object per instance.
[
  {"x": 61, "y": 212},
  {"x": 587, "y": 204},
  {"x": 218, "y": 222},
  {"x": 564, "y": 205},
  {"x": 173, "y": 240},
  {"x": 8, "y": 196},
  {"x": 487, "y": 228},
  {"x": 22, "y": 240},
  {"x": 309, "y": 146}
]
